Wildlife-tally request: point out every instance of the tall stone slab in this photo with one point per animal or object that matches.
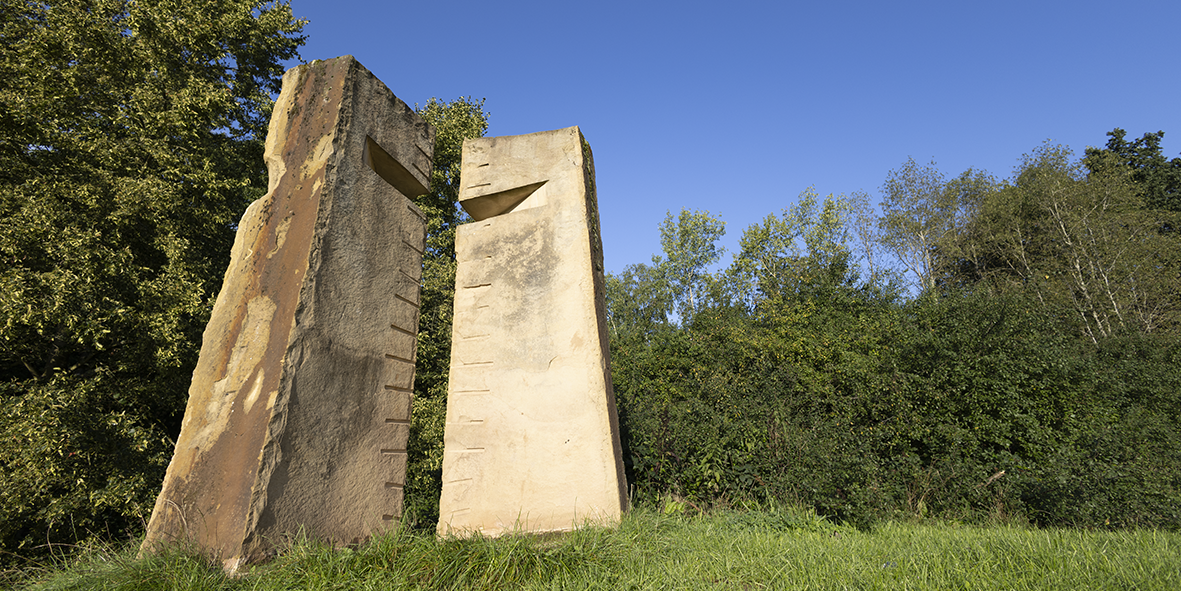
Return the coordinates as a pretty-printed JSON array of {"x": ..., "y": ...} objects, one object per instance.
[
  {"x": 299, "y": 409},
  {"x": 532, "y": 437}
]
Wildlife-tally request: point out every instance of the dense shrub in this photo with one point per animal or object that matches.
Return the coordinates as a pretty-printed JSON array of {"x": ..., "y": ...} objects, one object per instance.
[
  {"x": 967, "y": 406},
  {"x": 1118, "y": 462}
]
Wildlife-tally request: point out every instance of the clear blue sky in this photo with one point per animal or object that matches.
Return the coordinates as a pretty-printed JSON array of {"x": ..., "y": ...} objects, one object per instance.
[{"x": 737, "y": 107}]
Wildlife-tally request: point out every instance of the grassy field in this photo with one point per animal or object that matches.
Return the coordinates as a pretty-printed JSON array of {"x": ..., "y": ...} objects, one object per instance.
[{"x": 768, "y": 549}]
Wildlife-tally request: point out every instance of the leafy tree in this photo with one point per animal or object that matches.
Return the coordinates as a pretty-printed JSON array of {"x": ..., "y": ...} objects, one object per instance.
[
  {"x": 1157, "y": 178},
  {"x": 922, "y": 211},
  {"x": 807, "y": 246},
  {"x": 639, "y": 300},
  {"x": 690, "y": 247},
  {"x": 1082, "y": 244},
  {"x": 1158, "y": 183},
  {"x": 968, "y": 403},
  {"x": 862, "y": 226},
  {"x": 645, "y": 298},
  {"x": 132, "y": 139},
  {"x": 454, "y": 121}
]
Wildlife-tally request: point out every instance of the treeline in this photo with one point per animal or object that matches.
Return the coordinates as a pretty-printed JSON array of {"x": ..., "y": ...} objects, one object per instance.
[{"x": 979, "y": 349}]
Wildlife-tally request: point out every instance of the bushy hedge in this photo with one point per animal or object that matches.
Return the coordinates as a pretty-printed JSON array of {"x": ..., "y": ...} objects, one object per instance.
[{"x": 968, "y": 406}]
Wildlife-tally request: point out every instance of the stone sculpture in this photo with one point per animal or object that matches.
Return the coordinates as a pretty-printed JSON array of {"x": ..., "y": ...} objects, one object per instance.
[
  {"x": 532, "y": 437},
  {"x": 299, "y": 409}
]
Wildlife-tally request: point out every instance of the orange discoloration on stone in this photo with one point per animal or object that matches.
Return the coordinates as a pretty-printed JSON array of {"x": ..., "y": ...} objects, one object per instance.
[{"x": 286, "y": 317}]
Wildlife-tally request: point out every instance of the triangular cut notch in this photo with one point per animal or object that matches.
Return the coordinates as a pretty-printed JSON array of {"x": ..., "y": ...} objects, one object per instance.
[
  {"x": 388, "y": 168},
  {"x": 494, "y": 204}
]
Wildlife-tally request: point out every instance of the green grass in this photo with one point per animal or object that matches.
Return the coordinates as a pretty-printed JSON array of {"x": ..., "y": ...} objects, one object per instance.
[{"x": 767, "y": 549}]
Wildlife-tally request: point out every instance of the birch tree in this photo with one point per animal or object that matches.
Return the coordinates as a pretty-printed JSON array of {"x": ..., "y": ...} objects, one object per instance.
[
  {"x": 923, "y": 213},
  {"x": 1083, "y": 244}
]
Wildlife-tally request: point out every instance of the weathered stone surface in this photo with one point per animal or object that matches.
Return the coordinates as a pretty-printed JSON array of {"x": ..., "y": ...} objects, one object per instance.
[
  {"x": 299, "y": 408},
  {"x": 532, "y": 438}
]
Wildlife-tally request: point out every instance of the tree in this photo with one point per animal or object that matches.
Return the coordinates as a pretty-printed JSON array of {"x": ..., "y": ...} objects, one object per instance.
[
  {"x": 807, "y": 246},
  {"x": 454, "y": 121},
  {"x": 639, "y": 300},
  {"x": 867, "y": 236},
  {"x": 922, "y": 211},
  {"x": 132, "y": 141},
  {"x": 690, "y": 247},
  {"x": 1157, "y": 178},
  {"x": 1082, "y": 244},
  {"x": 830, "y": 392}
]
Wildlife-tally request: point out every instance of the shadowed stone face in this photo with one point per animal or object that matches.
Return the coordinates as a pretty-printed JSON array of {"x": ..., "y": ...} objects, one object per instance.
[
  {"x": 299, "y": 408},
  {"x": 532, "y": 440}
]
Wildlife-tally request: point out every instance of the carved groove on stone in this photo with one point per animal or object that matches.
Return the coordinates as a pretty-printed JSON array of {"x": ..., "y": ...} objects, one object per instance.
[
  {"x": 500, "y": 202},
  {"x": 413, "y": 247},
  {"x": 403, "y": 330},
  {"x": 416, "y": 212},
  {"x": 425, "y": 173}
]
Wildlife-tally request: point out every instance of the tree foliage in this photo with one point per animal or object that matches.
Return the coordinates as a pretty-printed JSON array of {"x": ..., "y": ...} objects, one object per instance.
[
  {"x": 454, "y": 121},
  {"x": 1081, "y": 243},
  {"x": 922, "y": 213},
  {"x": 131, "y": 143},
  {"x": 639, "y": 301},
  {"x": 808, "y": 245},
  {"x": 690, "y": 248},
  {"x": 675, "y": 285},
  {"x": 1157, "y": 179}
]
